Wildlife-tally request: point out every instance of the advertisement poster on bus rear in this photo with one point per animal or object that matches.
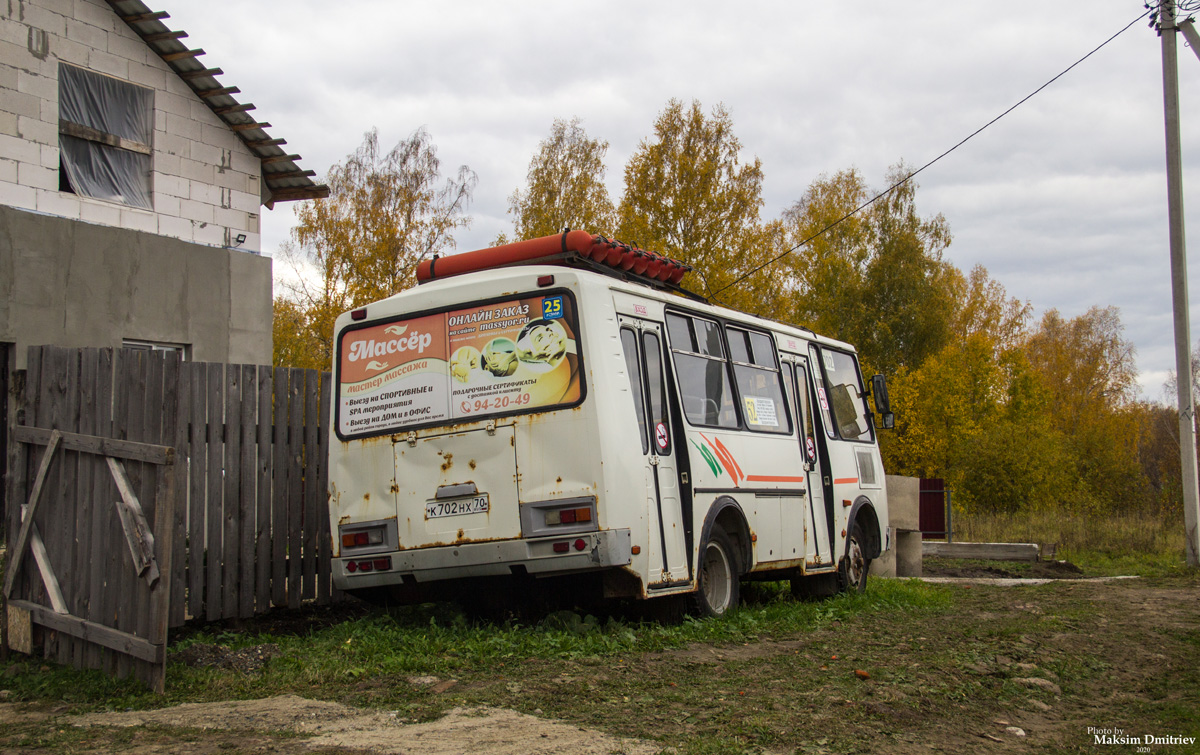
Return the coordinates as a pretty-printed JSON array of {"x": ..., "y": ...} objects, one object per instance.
[{"x": 499, "y": 358}]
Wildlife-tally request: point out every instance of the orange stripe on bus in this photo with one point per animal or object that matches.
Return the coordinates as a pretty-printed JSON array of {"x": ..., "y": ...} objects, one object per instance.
[
  {"x": 842, "y": 480},
  {"x": 773, "y": 478}
]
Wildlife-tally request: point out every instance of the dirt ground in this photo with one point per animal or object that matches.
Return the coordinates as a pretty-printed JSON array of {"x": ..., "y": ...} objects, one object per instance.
[{"x": 979, "y": 679}]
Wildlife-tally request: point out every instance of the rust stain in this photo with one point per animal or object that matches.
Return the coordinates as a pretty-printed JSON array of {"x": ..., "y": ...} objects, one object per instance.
[
  {"x": 559, "y": 480},
  {"x": 460, "y": 535},
  {"x": 395, "y": 488},
  {"x": 449, "y": 462},
  {"x": 345, "y": 518},
  {"x": 471, "y": 463},
  {"x": 366, "y": 496}
]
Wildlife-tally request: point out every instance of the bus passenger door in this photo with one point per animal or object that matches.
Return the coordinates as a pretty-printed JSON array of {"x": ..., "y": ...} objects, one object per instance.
[
  {"x": 642, "y": 343},
  {"x": 819, "y": 553}
]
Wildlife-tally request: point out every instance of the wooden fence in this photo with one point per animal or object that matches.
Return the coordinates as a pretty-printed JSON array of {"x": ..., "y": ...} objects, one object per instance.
[{"x": 224, "y": 465}]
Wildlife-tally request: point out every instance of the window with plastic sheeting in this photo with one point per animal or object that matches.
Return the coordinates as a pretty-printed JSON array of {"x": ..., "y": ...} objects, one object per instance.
[{"x": 105, "y": 127}]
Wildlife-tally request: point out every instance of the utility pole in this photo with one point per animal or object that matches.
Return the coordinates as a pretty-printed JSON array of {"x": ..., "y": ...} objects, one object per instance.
[{"x": 1167, "y": 31}]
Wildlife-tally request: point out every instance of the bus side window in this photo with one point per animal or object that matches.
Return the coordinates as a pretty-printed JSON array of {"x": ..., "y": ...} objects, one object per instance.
[
  {"x": 634, "y": 370},
  {"x": 822, "y": 392},
  {"x": 846, "y": 395},
  {"x": 702, "y": 371},
  {"x": 756, "y": 372},
  {"x": 804, "y": 409}
]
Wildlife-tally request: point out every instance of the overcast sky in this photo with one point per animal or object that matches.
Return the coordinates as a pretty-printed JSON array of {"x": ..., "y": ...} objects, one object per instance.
[{"x": 1064, "y": 200}]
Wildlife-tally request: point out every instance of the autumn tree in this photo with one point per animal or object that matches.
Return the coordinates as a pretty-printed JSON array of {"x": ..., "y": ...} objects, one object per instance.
[
  {"x": 1089, "y": 370},
  {"x": 385, "y": 213},
  {"x": 689, "y": 195},
  {"x": 875, "y": 278},
  {"x": 564, "y": 186}
]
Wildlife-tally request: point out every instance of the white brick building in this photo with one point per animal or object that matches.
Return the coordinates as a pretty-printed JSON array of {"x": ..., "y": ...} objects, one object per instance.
[{"x": 131, "y": 182}]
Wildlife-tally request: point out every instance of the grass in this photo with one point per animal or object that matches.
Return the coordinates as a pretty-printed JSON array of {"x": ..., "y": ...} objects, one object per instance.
[
  {"x": 940, "y": 665},
  {"x": 1139, "y": 543}
]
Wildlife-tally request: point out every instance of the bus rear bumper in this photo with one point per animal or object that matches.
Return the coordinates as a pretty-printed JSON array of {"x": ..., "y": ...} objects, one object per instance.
[{"x": 585, "y": 551}]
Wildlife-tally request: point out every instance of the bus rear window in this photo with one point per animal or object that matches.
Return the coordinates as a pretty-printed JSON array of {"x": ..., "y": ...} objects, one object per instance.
[{"x": 502, "y": 357}]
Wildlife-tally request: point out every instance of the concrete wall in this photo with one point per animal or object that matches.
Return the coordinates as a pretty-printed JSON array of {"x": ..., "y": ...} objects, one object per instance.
[
  {"x": 904, "y": 512},
  {"x": 69, "y": 283},
  {"x": 205, "y": 183}
]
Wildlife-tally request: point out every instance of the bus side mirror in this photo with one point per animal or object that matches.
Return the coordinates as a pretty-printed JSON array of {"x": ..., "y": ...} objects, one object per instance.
[{"x": 882, "y": 406}]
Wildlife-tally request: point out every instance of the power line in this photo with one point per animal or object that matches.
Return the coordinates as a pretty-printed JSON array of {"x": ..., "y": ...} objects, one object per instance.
[{"x": 914, "y": 174}]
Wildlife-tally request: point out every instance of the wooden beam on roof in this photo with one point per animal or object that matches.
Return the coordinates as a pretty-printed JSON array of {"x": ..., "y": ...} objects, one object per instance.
[
  {"x": 189, "y": 75},
  {"x": 159, "y": 37},
  {"x": 288, "y": 174},
  {"x": 206, "y": 93},
  {"x": 265, "y": 142},
  {"x": 292, "y": 194},
  {"x": 233, "y": 108},
  {"x": 249, "y": 126},
  {"x": 170, "y": 56},
  {"x": 279, "y": 158},
  {"x": 137, "y": 18}
]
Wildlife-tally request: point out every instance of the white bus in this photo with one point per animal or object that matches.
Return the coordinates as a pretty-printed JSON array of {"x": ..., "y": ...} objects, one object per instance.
[{"x": 561, "y": 408}]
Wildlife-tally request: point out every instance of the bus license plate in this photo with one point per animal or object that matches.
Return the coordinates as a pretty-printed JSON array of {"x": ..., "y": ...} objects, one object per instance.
[{"x": 476, "y": 505}]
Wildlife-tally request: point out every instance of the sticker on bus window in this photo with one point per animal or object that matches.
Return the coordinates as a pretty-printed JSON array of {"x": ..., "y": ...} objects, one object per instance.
[
  {"x": 761, "y": 412},
  {"x": 829, "y": 360},
  {"x": 660, "y": 436},
  {"x": 821, "y": 395},
  {"x": 810, "y": 448},
  {"x": 552, "y": 308},
  {"x": 492, "y": 359}
]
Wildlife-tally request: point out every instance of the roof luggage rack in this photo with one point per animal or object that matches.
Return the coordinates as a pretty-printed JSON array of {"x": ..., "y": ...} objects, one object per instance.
[{"x": 572, "y": 249}]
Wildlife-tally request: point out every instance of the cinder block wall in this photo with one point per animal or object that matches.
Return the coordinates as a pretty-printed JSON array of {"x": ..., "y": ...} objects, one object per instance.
[{"x": 205, "y": 183}]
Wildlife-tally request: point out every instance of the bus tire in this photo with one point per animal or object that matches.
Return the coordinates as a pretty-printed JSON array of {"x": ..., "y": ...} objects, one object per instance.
[
  {"x": 717, "y": 584},
  {"x": 853, "y": 568}
]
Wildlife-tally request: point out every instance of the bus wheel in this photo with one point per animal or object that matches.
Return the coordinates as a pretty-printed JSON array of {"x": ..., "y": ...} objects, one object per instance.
[
  {"x": 852, "y": 571},
  {"x": 718, "y": 588}
]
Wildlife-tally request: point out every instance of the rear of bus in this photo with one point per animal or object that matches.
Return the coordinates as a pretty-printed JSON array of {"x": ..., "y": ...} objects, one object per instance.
[{"x": 464, "y": 440}]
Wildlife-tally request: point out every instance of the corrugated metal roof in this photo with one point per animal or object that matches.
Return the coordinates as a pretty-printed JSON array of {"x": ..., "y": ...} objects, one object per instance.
[{"x": 285, "y": 179}]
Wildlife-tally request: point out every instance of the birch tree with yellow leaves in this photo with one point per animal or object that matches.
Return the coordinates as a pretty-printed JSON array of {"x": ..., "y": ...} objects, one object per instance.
[{"x": 386, "y": 212}]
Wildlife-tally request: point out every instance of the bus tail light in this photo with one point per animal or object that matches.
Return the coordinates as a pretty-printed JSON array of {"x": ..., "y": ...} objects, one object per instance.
[
  {"x": 363, "y": 538},
  {"x": 563, "y": 547},
  {"x": 580, "y": 515},
  {"x": 370, "y": 564}
]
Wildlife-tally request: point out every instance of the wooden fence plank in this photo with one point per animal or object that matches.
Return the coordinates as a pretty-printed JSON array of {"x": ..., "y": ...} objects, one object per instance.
[
  {"x": 127, "y": 397},
  {"x": 83, "y": 509},
  {"x": 26, "y": 583},
  {"x": 95, "y": 444},
  {"x": 164, "y": 525},
  {"x": 197, "y": 469},
  {"x": 321, "y": 524},
  {"x": 17, "y": 479},
  {"x": 213, "y": 599},
  {"x": 91, "y": 631},
  {"x": 262, "y": 532},
  {"x": 177, "y": 381},
  {"x": 233, "y": 479},
  {"x": 153, "y": 418},
  {"x": 295, "y": 496},
  {"x": 29, "y": 510},
  {"x": 311, "y": 425},
  {"x": 279, "y": 487},
  {"x": 247, "y": 496},
  {"x": 57, "y": 378},
  {"x": 100, "y": 515}
]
